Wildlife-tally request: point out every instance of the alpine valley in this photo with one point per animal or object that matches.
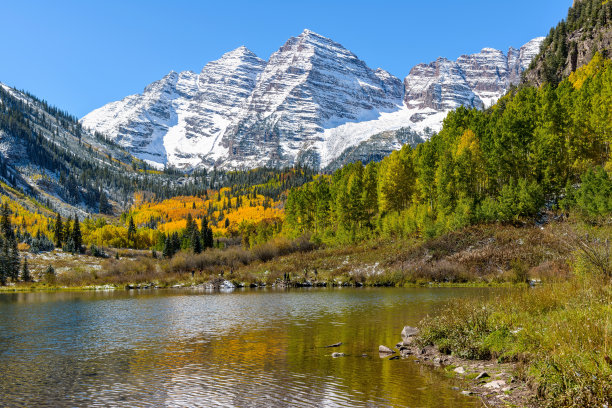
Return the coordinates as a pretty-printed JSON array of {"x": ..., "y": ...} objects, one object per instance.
[
  {"x": 489, "y": 175},
  {"x": 313, "y": 102}
]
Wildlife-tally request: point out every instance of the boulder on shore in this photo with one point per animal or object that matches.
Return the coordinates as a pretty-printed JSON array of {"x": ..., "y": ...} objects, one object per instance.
[{"x": 409, "y": 331}]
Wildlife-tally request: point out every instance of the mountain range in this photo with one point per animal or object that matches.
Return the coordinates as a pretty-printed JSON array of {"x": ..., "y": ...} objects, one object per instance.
[{"x": 312, "y": 102}]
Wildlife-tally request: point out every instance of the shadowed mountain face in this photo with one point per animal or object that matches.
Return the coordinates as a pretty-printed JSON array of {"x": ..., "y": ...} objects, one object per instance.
[{"x": 309, "y": 103}]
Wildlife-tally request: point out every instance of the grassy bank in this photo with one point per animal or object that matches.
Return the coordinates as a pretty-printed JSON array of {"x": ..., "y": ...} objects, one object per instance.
[
  {"x": 560, "y": 333},
  {"x": 481, "y": 255}
]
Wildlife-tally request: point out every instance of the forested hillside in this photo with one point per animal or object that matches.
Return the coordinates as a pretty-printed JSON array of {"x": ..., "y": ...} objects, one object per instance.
[
  {"x": 539, "y": 151},
  {"x": 536, "y": 149},
  {"x": 573, "y": 42}
]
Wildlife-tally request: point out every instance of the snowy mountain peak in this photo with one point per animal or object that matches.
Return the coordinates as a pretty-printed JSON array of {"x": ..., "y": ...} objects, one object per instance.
[
  {"x": 241, "y": 52},
  {"x": 310, "y": 102},
  {"x": 475, "y": 80},
  {"x": 309, "y": 33}
]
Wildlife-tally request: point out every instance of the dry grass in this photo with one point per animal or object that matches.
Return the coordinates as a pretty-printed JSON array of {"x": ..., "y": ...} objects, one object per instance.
[
  {"x": 561, "y": 332},
  {"x": 490, "y": 253}
]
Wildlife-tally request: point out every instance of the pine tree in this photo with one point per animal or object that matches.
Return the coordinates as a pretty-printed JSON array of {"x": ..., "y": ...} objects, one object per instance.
[
  {"x": 50, "y": 275},
  {"x": 67, "y": 235},
  {"x": 167, "y": 250},
  {"x": 3, "y": 261},
  {"x": 76, "y": 234},
  {"x": 13, "y": 261},
  {"x": 131, "y": 234},
  {"x": 58, "y": 231},
  {"x": 176, "y": 243},
  {"x": 5, "y": 222},
  {"x": 25, "y": 271},
  {"x": 206, "y": 234},
  {"x": 190, "y": 225},
  {"x": 103, "y": 204},
  {"x": 196, "y": 244}
]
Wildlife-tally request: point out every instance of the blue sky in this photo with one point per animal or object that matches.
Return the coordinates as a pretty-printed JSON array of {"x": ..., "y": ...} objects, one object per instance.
[{"x": 79, "y": 55}]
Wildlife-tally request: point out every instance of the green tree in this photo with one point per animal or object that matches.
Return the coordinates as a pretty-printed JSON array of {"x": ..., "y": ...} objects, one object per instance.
[
  {"x": 76, "y": 236},
  {"x": 13, "y": 261},
  {"x": 369, "y": 197},
  {"x": 167, "y": 251},
  {"x": 104, "y": 206},
  {"x": 131, "y": 233},
  {"x": 396, "y": 180},
  {"x": 58, "y": 231},
  {"x": 196, "y": 244},
  {"x": 25, "y": 271},
  {"x": 5, "y": 222}
]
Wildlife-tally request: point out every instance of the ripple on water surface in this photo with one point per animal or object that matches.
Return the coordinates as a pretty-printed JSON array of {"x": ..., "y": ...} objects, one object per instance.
[{"x": 242, "y": 349}]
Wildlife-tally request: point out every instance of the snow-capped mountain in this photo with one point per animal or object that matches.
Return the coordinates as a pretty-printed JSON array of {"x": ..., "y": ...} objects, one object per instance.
[
  {"x": 475, "y": 81},
  {"x": 309, "y": 103},
  {"x": 310, "y": 84}
]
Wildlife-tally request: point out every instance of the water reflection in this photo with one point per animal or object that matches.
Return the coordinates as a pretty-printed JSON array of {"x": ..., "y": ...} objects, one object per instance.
[{"x": 184, "y": 348}]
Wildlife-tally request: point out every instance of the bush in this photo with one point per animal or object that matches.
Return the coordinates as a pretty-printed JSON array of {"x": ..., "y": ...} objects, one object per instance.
[
  {"x": 49, "y": 275},
  {"x": 41, "y": 244},
  {"x": 559, "y": 332},
  {"x": 594, "y": 197},
  {"x": 97, "y": 252},
  {"x": 520, "y": 271}
]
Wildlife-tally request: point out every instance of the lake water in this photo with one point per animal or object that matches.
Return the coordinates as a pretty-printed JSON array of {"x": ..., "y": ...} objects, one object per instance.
[{"x": 252, "y": 348}]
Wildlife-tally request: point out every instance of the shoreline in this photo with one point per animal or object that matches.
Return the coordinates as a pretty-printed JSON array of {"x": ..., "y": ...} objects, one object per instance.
[
  {"x": 212, "y": 287},
  {"x": 494, "y": 383}
]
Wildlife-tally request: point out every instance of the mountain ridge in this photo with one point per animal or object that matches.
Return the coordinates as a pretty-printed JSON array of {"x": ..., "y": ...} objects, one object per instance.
[{"x": 308, "y": 103}]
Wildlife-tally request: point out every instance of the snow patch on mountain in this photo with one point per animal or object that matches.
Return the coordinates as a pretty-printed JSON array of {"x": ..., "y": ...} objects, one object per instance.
[{"x": 311, "y": 101}]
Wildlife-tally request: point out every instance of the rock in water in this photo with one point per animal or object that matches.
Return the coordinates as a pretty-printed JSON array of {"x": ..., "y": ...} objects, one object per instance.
[
  {"x": 336, "y": 355},
  {"x": 385, "y": 350}
]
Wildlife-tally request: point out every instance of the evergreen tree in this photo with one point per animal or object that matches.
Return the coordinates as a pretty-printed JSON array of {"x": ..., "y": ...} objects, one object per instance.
[
  {"x": 50, "y": 275},
  {"x": 58, "y": 231},
  {"x": 104, "y": 206},
  {"x": 190, "y": 226},
  {"x": 196, "y": 244},
  {"x": 25, "y": 271},
  {"x": 167, "y": 250},
  {"x": 5, "y": 222},
  {"x": 77, "y": 239},
  {"x": 176, "y": 243},
  {"x": 131, "y": 233},
  {"x": 67, "y": 235},
  {"x": 206, "y": 234},
  {"x": 13, "y": 261},
  {"x": 4, "y": 256}
]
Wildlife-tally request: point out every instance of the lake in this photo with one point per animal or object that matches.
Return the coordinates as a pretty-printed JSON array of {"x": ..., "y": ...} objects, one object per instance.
[{"x": 249, "y": 348}]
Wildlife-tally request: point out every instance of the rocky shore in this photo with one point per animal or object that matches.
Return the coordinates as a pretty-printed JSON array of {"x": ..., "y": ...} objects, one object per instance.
[{"x": 495, "y": 384}]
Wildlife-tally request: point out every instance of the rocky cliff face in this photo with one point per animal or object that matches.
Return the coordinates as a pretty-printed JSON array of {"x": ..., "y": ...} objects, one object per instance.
[
  {"x": 311, "y": 83},
  {"x": 310, "y": 102},
  {"x": 476, "y": 80},
  {"x": 179, "y": 120},
  {"x": 586, "y": 30}
]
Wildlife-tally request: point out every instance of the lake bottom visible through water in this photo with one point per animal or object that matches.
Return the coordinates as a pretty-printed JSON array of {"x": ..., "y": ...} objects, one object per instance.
[{"x": 251, "y": 348}]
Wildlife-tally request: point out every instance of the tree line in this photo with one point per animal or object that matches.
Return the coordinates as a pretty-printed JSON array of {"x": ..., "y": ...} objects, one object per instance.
[{"x": 529, "y": 151}]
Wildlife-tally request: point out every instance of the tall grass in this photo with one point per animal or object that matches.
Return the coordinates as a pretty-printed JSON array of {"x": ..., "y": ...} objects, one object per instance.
[{"x": 561, "y": 332}]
